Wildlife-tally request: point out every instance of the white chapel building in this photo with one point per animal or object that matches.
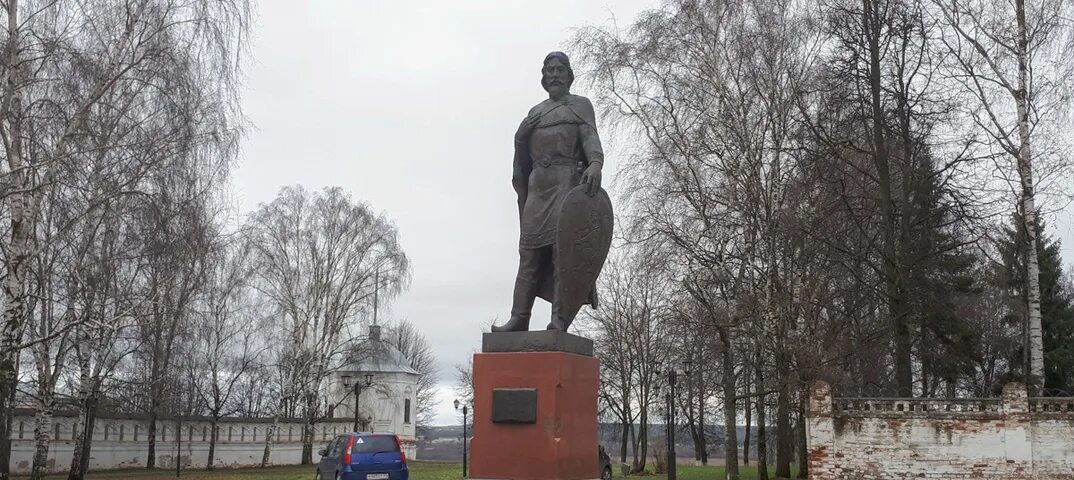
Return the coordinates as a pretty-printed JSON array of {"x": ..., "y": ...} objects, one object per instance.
[{"x": 387, "y": 390}]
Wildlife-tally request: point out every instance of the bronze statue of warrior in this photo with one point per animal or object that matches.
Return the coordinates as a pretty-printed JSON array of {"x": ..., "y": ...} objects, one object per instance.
[{"x": 565, "y": 216}]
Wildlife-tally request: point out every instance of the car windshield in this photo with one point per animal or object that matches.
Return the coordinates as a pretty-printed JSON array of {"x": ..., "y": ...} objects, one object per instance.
[{"x": 375, "y": 444}]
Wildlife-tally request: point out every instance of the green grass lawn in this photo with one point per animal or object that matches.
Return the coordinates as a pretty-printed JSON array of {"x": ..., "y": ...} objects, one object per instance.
[
  {"x": 418, "y": 471},
  {"x": 685, "y": 472},
  {"x": 716, "y": 473}
]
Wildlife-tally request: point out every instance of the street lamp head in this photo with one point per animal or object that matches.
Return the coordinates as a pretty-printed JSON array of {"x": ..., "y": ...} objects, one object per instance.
[
  {"x": 346, "y": 380},
  {"x": 456, "y": 404},
  {"x": 368, "y": 379},
  {"x": 686, "y": 364}
]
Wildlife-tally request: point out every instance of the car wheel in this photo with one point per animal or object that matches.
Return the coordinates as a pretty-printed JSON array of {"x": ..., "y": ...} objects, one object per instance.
[{"x": 606, "y": 474}]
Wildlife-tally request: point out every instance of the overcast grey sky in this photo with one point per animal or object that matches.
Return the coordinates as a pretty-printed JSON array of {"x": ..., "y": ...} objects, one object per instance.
[{"x": 412, "y": 107}]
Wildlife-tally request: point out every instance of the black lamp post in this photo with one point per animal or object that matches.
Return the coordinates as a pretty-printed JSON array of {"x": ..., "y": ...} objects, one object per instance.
[
  {"x": 357, "y": 394},
  {"x": 464, "y": 412},
  {"x": 672, "y": 420},
  {"x": 671, "y": 423}
]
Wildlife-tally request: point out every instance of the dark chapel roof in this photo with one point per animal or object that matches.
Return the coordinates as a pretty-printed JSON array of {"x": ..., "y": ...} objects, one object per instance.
[{"x": 375, "y": 355}]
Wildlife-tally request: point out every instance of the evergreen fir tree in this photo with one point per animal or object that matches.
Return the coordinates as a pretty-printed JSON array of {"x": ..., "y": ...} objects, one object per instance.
[
  {"x": 1057, "y": 303},
  {"x": 941, "y": 283}
]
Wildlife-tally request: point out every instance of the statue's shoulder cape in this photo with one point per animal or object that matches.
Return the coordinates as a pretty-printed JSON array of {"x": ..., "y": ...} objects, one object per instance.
[{"x": 576, "y": 104}]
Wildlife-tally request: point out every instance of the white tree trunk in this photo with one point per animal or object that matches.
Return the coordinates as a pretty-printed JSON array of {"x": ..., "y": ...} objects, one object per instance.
[
  {"x": 1035, "y": 379},
  {"x": 14, "y": 313},
  {"x": 79, "y": 435},
  {"x": 267, "y": 455},
  {"x": 14, "y": 288},
  {"x": 83, "y": 396},
  {"x": 42, "y": 436}
]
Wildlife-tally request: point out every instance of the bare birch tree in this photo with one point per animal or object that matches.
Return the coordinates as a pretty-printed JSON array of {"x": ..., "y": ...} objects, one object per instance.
[
  {"x": 316, "y": 255},
  {"x": 63, "y": 64},
  {"x": 225, "y": 345},
  {"x": 710, "y": 88},
  {"x": 631, "y": 330},
  {"x": 1013, "y": 61}
]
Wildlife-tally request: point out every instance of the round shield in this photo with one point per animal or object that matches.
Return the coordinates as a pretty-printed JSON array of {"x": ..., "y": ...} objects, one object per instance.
[{"x": 583, "y": 237}]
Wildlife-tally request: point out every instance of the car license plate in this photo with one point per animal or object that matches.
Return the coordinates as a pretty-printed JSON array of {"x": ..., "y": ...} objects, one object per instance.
[{"x": 377, "y": 476}]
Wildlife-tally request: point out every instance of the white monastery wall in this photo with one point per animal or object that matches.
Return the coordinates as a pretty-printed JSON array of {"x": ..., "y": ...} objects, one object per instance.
[
  {"x": 122, "y": 442},
  {"x": 1013, "y": 437}
]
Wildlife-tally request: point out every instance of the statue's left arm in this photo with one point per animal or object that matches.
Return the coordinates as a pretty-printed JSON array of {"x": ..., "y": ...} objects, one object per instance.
[{"x": 594, "y": 153}]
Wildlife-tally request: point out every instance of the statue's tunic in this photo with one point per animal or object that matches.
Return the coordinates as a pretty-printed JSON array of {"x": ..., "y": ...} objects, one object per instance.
[{"x": 560, "y": 148}]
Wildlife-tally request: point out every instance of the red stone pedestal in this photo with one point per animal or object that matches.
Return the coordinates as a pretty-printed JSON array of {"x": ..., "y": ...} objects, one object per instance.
[{"x": 562, "y": 444}]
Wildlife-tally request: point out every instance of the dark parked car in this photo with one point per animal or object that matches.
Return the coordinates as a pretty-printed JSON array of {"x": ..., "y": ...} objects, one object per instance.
[
  {"x": 363, "y": 456},
  {"x": 605, "y": 464}
]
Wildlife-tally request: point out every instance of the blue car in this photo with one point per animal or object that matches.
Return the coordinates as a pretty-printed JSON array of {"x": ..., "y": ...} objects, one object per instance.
[{"x": 363, "y": 456}]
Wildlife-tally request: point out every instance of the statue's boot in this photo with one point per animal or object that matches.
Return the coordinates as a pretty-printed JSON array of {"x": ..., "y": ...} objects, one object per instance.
[
  {"x": 557, "y": 322},
  {"x": 522, "y": 306},
  {"x": 515, "y": 324}
]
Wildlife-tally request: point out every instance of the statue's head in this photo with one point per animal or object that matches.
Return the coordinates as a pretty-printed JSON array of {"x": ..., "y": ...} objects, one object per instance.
[{"x": 556, "y": 74}]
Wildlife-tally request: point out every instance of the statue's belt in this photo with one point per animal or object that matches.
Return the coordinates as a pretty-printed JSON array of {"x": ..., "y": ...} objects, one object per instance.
[{"x": 548, "y": 161}]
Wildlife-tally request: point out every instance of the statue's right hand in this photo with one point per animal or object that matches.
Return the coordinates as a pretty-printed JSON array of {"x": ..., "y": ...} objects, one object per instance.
[{"x": 525, "y": 128}]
